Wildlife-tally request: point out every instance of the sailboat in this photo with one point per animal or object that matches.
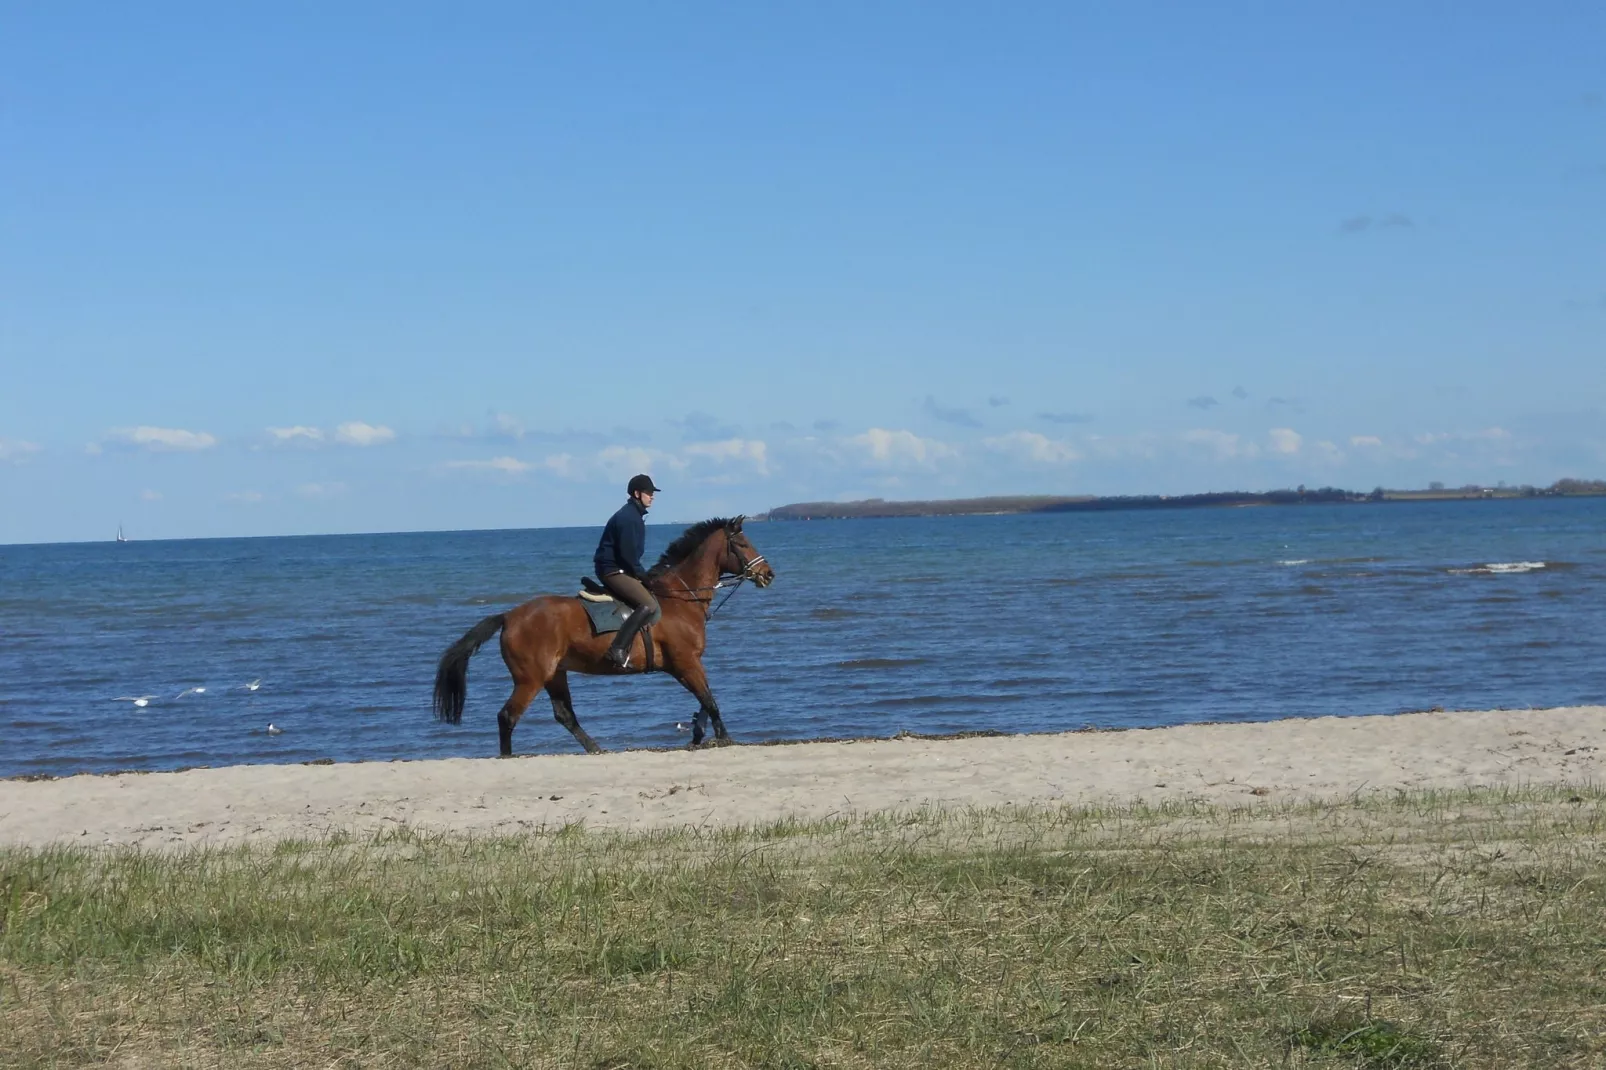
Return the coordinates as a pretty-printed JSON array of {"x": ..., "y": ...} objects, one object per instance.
[{"x": 120, "y": 536}]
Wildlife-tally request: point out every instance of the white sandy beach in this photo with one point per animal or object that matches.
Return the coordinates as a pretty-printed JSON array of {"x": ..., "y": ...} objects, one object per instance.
[{"x": 1234, "y": 764}]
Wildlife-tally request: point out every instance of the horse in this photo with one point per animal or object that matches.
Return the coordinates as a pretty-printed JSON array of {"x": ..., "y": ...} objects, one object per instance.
[{"x": 549, "y": 636}]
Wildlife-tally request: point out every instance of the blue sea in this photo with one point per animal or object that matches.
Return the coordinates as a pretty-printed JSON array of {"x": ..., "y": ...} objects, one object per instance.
[{"x": 1004, "y": 623}]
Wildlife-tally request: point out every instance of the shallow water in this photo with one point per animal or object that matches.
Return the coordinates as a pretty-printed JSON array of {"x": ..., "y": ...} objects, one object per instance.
[{"x": 1015, "y": 623}]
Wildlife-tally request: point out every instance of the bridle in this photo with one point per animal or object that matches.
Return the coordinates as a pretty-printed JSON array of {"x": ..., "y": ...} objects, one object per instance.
[{"x": 746, "y": 570}]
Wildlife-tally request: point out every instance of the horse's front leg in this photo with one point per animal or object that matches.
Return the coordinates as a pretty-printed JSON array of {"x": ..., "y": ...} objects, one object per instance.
[{"x": 695, "y": 680}]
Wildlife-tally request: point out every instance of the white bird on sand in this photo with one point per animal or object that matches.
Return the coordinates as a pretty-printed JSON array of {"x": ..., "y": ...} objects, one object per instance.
[
  {"x": 138, "y": 700},
  {"x": 192, "y": 691},
  {"x": 252, "y": 686},
  {"x": 274, "y": 730}
]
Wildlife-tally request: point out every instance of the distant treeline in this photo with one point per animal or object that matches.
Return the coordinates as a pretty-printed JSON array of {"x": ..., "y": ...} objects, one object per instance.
[{"x": 1043, "y": 503}]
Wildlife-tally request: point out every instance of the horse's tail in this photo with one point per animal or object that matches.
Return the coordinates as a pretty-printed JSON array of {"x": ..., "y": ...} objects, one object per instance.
[{"x": 451, "y": 679}]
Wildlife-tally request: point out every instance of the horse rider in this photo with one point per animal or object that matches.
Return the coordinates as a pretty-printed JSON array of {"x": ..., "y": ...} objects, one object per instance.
[{"x": 618, "y": 564}]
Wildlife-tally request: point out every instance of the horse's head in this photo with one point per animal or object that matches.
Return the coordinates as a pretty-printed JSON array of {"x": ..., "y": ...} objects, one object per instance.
[{"x": 742, "y": 559}]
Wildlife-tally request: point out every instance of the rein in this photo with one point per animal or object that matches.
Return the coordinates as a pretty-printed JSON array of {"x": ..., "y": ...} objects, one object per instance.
[{"x": 709, "y": 609}]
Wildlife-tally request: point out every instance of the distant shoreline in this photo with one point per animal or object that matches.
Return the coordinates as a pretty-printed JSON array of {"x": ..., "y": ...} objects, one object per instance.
[{"x": 1002, "y": 505}]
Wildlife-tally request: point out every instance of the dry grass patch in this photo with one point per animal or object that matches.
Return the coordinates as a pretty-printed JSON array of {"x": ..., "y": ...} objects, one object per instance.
[{"x": 1417, "y": 931}]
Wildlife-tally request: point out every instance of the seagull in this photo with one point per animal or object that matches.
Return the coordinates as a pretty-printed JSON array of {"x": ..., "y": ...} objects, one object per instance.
[
  {"x": 252, "y": 686},
  {"x": 138, "y": 700},
  {"x": 275, "y": 730},
  {"x": 682, "y": 726},
  {"x": 192, "y": 691}
]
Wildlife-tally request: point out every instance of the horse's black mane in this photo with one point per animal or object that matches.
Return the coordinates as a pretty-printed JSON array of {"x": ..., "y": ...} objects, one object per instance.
[{"x": 689, "y": 540}]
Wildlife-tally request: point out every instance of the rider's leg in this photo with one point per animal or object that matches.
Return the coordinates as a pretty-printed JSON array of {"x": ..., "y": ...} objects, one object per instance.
[{"x": 645, "y": 608}]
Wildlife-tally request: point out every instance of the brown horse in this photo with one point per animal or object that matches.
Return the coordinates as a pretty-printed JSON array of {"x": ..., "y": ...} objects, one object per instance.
[{"x": 549, "y": 635}]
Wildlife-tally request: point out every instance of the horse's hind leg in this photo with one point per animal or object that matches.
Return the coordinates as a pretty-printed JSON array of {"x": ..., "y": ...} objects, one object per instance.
[
  {"x": 509, "y": 715},
  {"x": 563, "y": 711}
]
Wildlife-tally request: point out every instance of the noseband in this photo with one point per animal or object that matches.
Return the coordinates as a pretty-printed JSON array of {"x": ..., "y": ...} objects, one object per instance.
[{"x": 745, "y": 570}]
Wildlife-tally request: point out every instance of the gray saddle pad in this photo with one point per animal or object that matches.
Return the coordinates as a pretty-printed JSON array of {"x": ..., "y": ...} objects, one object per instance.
[{"x": 606, "y": 616}]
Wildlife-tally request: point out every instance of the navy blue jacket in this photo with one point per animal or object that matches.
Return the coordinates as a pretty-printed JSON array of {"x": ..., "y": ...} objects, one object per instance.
[{"x": 622, "y": 542}]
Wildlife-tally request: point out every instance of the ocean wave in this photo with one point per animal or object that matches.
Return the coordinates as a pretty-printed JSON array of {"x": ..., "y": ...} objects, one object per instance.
[
  {"x": 1295, "y": 561},
  {"x": 1500, "y": 568},
  {"x": 881, "y": 663}
]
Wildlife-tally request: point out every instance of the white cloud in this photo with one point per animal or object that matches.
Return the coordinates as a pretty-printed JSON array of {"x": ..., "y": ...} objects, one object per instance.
[
  {"x": 1222, "y": 445},
  {"x": 1488, "y": 434},
  {"x": 321, "y": 490},
  {"x": 900, "y": 448},
  {"x": 510, "y": 466},
  {"x": 1285, "y": 440},
  {"x": 1033, "y": 447},
  {"x": 295, "y": 434},
  {"x": 244, "y": 497},
  {"x": 357, "y": 433},
  {"x": 506, "y": 426},
  {"x": 750, "y": 452},
  {"x": 618, "y": 460},
  {"x": 159, "y": 439},
  {"x": 1368, "y": 442},
  {"x": 12, "y": 449},
  {"x": 1329, "y": 452},
  {"x": 562, "y": 464}
]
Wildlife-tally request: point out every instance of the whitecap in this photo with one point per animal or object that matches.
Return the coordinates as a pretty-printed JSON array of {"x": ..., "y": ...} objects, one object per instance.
[
  {"x": 1296, "y": 561},
  {"x": 1500, "y": 568}
]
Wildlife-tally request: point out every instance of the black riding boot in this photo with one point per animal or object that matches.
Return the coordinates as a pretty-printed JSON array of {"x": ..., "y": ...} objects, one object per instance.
[{"x": 619, "y": 652}]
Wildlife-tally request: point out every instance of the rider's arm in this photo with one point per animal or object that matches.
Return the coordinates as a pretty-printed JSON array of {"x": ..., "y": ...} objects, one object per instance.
[{"x": 632, "y": 542}]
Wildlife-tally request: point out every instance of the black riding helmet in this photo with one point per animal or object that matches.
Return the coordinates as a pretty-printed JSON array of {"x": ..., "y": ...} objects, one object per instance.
[{"x": 642, "y": 483}]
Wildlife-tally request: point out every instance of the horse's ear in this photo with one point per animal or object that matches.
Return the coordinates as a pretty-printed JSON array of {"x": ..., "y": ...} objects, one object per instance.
[{"x": 736, "y": 525}]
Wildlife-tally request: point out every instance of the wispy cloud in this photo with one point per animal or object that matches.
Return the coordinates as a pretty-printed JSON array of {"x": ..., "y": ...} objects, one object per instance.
[
  {"x": 625, "y": 461},
  {"x": 1360, "y": 224},
  {"x": 956, "y": 416},
  {"x": 1204, "y": 401},
  {"x": 149, "y": 495},
  {"x": 243, "y": 497},
  {"x": 357, "y": 433},
  {"x": 1240, "y": 393},
  {"x": 702, "y": 426},
  {"x": 16, "y": 450},
  {"x": 296, "y": 434},
  {"x": 1285, "y": 440},
  {"x": 508, "y": 466},
  {"x": 1488, "y": 434},
  {"x": 1033, "y": 447},
  {"x": 321, "y": 490},
  {"x": 900, "y": 448},
  {"x": 749, "y": 453},
  {"x": 997, "y": 401},
  {"x": 1366, "y": 442},
  {"x": 1221, "y": 445},
  {"x": 498, "y": 427},
  {"x": 1066, "y": 417},
  {"x": 158, "y": 439}
]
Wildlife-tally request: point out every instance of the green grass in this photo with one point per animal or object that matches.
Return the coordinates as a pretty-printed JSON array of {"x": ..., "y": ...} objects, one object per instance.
[{"x": 1419, "y": 931}]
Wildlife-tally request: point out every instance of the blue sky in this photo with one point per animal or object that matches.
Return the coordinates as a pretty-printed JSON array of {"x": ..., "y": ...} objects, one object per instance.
[{"x": 305, "y": 267}]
